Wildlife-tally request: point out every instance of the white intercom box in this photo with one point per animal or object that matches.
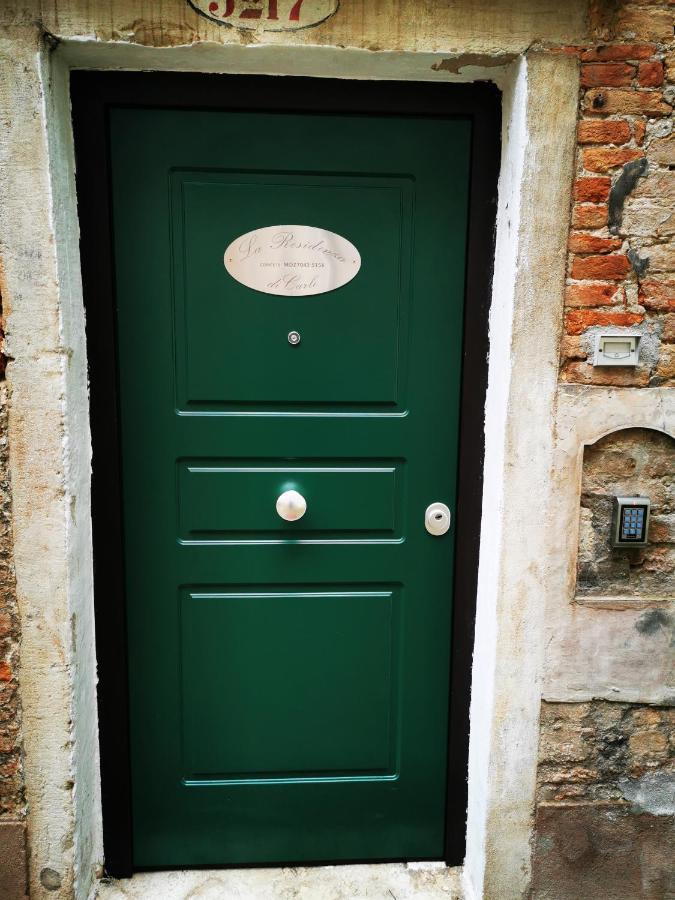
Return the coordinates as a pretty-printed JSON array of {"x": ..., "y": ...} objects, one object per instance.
[{"x": 617, "y": 349}]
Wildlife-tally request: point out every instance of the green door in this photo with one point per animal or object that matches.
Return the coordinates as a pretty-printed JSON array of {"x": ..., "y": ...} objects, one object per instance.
[{"x": 288, "y": 680}]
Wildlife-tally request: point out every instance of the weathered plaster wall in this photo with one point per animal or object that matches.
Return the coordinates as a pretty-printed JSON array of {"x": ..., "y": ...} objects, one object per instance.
[
  {"x": 533, "y": 639},
  {"x": 12, "y": 795},
  {"x": 514, "y": 143},
  {"x": 593, "y": 649},
  {"x": 49, "y": 474},
  {"x": 486, "y": 27},
  {"x": 515, "y": 565},
  {"x": 606, "y": 777},
  {"x": 602, "y": 822},
  {"x": 11, "y": 783}
]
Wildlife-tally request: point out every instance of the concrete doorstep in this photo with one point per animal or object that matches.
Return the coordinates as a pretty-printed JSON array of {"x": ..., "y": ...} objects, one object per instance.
[{"x": 397, "y": 881}]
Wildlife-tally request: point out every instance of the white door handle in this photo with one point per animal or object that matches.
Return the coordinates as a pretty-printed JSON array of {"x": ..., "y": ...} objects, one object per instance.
[{"x": 291, "y": 506}]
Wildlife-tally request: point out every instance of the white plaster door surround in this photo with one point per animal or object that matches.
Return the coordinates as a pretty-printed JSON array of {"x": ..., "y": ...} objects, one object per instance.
[
  {"x": 518, "y": 559},
  {"x": 49, "y": 436}
]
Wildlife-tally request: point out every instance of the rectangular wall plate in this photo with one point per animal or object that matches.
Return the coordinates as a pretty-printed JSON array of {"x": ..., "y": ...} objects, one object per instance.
[{"x": 617, "y": 349}]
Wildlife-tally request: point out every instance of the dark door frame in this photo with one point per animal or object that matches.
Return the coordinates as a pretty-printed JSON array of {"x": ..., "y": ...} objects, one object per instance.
[{"x": 92, "y": 94}]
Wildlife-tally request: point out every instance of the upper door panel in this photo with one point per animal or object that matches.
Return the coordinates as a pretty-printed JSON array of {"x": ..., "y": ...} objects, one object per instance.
[{"x": 232, "y": 348}]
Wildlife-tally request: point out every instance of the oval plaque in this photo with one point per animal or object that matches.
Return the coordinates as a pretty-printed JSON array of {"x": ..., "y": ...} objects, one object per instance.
[
  {"x": 266, "y": 15},
  {"x": 292, "y": 260}
]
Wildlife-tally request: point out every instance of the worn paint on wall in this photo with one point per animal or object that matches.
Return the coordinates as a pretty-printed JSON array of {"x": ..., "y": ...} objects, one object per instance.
[
  {"x": 515, "y": 566},
  {"x": 12, "y": 800},
  {"x": 272, "y": 15},
  {"x": 486, "y": 26},
  {"x": 12, "y": 794},
  {"x": 42, "y": 468},
  {"x": 598, "y": 649}
]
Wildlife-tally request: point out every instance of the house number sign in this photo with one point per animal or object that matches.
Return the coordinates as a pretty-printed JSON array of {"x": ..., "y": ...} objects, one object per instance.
[
  {"x": 292, "y": 260},
  {"x": 266, "y": 15}
]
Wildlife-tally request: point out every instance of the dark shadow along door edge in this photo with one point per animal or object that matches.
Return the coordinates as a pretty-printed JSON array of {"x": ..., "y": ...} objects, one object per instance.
[{"x": 93, "y": 93}]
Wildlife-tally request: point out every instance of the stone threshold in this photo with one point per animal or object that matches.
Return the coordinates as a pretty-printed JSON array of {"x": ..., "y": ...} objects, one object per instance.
[{"x": 382, "y": 881}]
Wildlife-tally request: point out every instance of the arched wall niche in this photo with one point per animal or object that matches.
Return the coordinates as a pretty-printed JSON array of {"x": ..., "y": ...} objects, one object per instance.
[{"x": 627, "y": 462}]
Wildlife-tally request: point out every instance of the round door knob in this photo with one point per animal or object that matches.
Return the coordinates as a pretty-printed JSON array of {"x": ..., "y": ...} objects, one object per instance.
[
  {"x": 437, "y": 519},
  {"x": 291, "y": 506}
]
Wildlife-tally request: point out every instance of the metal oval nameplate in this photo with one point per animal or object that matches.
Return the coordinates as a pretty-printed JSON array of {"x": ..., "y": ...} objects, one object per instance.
[
  {"x": 292, "y": 260},
  {"x": 266, "y": 15}
]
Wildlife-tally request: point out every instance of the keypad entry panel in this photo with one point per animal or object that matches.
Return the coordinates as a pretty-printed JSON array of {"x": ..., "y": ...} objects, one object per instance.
[{"x": 631, "y": 521}]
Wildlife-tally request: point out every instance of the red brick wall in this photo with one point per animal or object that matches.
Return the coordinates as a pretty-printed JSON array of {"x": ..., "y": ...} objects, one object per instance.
[{"x": 623, "y": 274}]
